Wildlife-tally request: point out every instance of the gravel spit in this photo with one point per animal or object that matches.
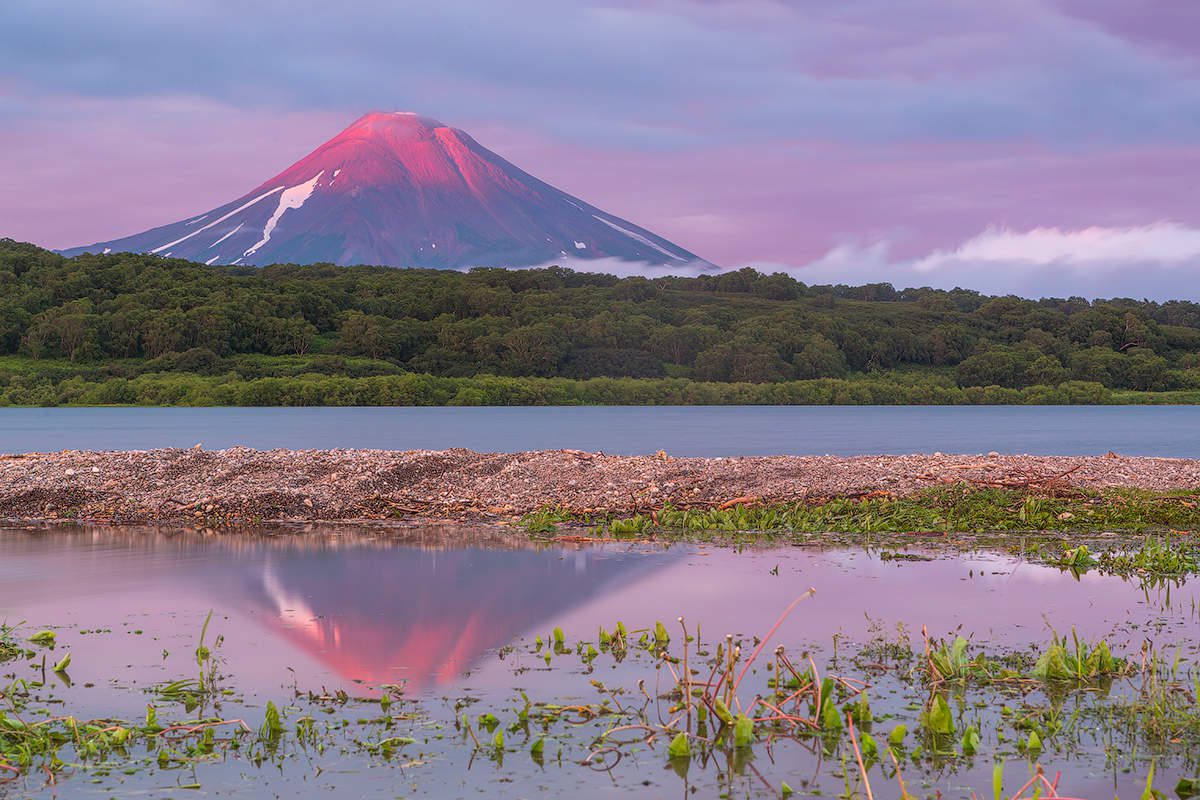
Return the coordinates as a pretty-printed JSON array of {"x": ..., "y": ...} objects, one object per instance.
[{"x": 246, "y": 485}]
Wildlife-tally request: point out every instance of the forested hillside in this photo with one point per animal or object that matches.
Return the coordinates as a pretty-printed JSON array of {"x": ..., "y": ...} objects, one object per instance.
[{"x": 138, "y": 328}]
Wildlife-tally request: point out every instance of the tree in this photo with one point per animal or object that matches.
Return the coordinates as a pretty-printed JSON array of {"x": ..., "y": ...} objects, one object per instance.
[
  {"x": 778, "y": 286},
  {"x": 291, "y": 336},
  {"x": 820, "y": 358},
  {"x": 373, "y": 336},
  {"x": 1045, "y": 370},
  {"x": 534, "y": 349},
  {"x": 991, "y": 368},
  {"x": 680, "y": 345},
  {"x": 1147, "y": 372}
]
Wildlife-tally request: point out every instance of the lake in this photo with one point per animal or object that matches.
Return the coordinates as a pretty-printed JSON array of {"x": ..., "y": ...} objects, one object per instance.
[
  {"x": 430, "y": 662},
  {"x": 681, "y": 431}
]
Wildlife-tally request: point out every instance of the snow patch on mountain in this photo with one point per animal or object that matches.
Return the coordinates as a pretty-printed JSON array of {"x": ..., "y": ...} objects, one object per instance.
[
  {"x": 226, "y": 236},
  {"x": 291, "y": 198},
  {"x": 637, "y": 237},
  {"x": 240, "y": 208}
]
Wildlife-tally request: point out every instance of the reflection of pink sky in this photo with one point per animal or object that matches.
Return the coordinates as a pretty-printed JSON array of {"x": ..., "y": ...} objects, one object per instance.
[
  {"x": 734, "y": 593},
  {"x": 724, "y": 591},
  {"x": 336, "y": 615},
  {"x": 170, "y": 613}
]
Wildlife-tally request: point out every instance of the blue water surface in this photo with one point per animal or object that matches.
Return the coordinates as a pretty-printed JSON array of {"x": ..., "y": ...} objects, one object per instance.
[{"x": 680, "y": 431}]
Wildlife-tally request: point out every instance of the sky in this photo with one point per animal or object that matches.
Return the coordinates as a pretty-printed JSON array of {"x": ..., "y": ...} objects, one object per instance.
[{"x": 1028, "y": 146}]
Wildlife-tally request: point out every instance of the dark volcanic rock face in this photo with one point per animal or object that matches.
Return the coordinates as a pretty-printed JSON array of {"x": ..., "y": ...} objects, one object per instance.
[{"x": 402, "y": 190}]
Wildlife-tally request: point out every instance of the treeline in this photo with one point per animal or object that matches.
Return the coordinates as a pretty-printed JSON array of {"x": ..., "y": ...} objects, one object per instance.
[
  {"x": 412, "y": 389},
  {"x": 124, "y": 317}
]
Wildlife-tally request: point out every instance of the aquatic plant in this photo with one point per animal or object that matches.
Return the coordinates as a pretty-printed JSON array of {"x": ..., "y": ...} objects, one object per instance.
[
  {"x": 1156, "y": 557},
  {"x": 10, "y": 647},
  {"x": 959, "y": 508},
  {"x": 1077, "y": 661},
  {"x": 713, "y": 707}
]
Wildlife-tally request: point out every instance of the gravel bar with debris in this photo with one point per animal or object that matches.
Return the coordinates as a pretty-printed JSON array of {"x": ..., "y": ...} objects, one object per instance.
[{"x": 246, "y": 485}]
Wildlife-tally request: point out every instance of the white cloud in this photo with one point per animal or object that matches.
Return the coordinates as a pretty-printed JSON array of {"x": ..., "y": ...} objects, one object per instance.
[
  {"x": 1159, "y": 261},
  {"x": 1163, "y": 243}
]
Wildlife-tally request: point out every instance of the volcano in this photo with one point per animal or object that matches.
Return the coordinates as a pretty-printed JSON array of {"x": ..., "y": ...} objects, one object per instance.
[{"x": 403, "y": 190}]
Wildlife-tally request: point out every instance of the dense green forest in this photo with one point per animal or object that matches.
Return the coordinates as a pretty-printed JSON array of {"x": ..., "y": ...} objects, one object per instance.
[{"x": 129, "y": 328}]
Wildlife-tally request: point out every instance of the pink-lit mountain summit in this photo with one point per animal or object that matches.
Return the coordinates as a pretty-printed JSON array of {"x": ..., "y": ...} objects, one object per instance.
[{"x": 399, "y": 189}]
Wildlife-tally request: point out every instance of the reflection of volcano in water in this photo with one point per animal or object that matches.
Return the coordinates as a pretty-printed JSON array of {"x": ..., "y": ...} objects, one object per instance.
[{"x": 402, "y": 613}]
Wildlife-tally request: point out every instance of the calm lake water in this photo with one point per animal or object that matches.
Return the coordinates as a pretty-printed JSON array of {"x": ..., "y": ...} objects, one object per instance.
[
  {"x": 452, "y": 617},
  {"x": 681, "y": 431}
]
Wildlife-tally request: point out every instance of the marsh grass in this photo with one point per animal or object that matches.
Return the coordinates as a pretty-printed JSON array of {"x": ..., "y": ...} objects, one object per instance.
[
  {"x": 1166, "y": 708},
  {"x": 953, "y": 509},
  {"x": 1156, "y": 559}
]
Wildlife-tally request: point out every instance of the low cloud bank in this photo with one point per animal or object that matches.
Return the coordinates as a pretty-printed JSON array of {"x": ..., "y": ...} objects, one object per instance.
[{"x": 1159, "y": 262}]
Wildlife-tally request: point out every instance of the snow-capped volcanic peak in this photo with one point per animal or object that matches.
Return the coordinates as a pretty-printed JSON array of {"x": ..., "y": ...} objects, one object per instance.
[{"x": 402, "y": 189}]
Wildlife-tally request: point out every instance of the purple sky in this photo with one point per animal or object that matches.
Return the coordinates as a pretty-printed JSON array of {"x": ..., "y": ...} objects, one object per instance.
[{"x": 1029, "y": 145}]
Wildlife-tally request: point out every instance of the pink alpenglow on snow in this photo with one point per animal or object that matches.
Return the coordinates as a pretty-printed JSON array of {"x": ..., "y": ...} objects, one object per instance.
[{"x": 403, "y": 190}]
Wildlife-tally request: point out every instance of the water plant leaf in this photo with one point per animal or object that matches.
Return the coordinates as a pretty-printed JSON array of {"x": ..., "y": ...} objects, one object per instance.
[
  {"x": 786, "y": 790},
  {"x": 1187, "y": 788},
  {"x": 44, "y": 638},
  {"x": 202, "y": 651},
  {"x": 538, "y": 747},
  {"x": 722, "y": 712},
  {"x": 743, "y": 731},
  {"x": 870, "y": 748},
  {"x": 152, "y": 719},
  {"x": 998, "y": 781},
  {"x": 831, "y": 718},
  {"x": 970, "y": 741},
  {"x": 938, "y": 719},
  {"x": 1105, "y": 662},
  {"x": 62, "y": 665},
  {"x": 1052, "y": 664},
  {"x": 860, "y": 710},
  {"x": 1034, "y": 743},
  {"x": 952, "y": 662},
  {"x": 896, "y": 737},
  {"x": 272, "y": 727},
  {"x": 679, "y": 747},
  {"x": 1150, "y": 793}
]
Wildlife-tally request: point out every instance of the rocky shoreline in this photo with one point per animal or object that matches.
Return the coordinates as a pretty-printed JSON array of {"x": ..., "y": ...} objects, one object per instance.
[{"x": 244, "y": 485}]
